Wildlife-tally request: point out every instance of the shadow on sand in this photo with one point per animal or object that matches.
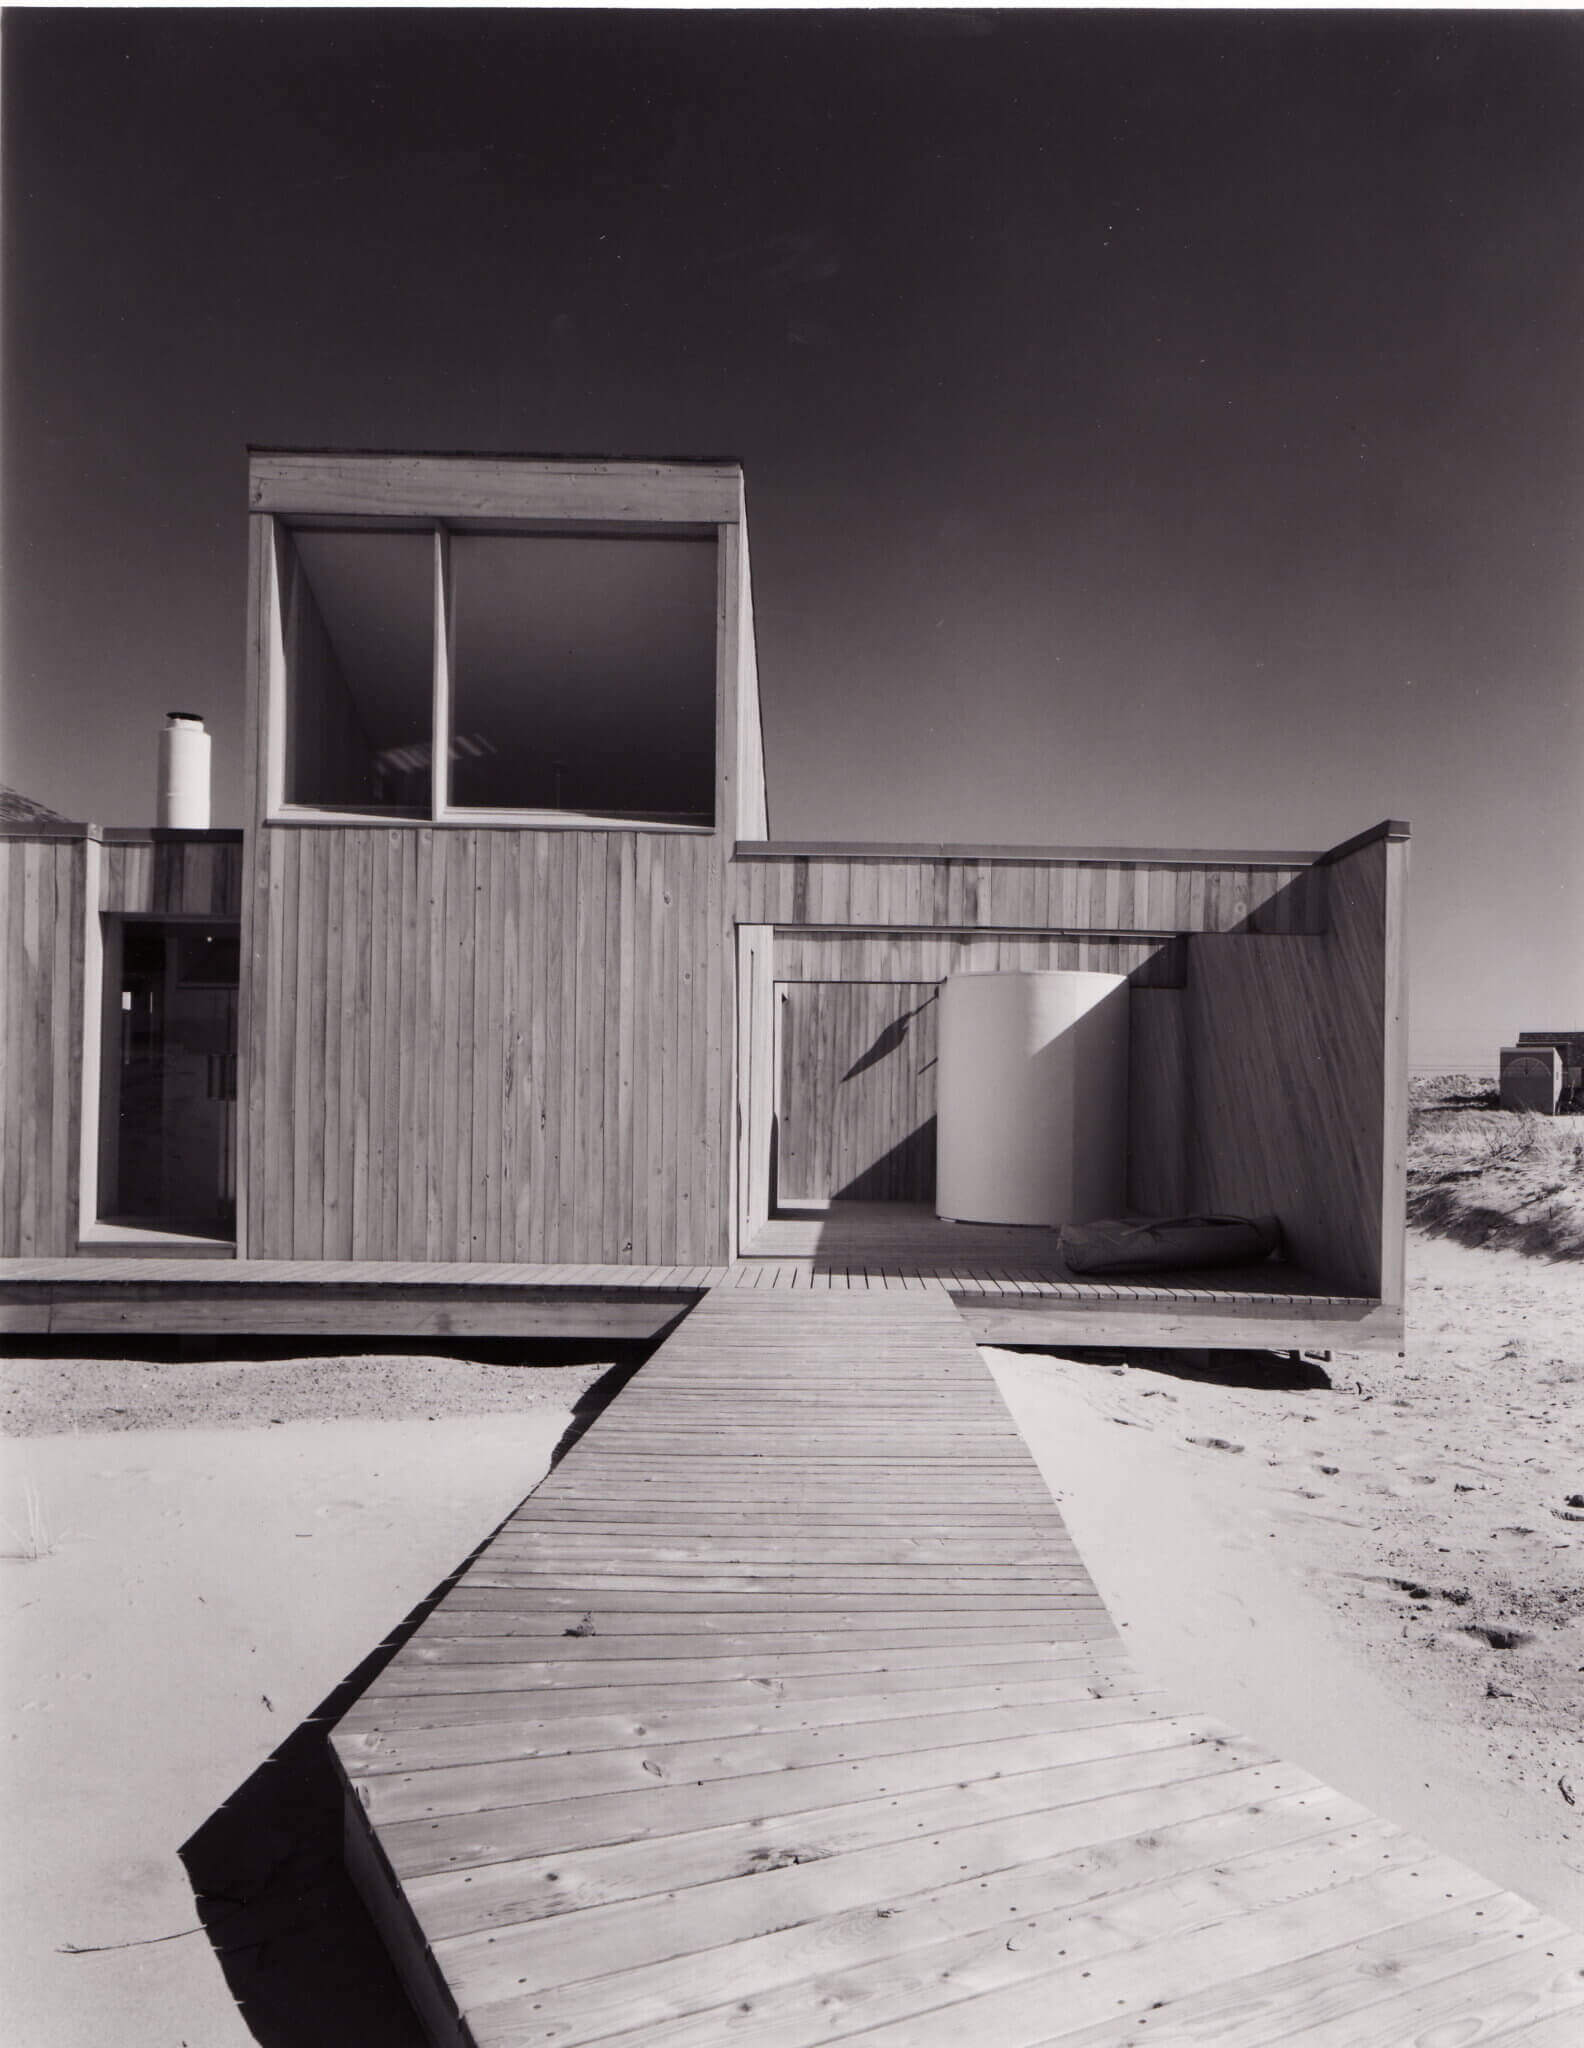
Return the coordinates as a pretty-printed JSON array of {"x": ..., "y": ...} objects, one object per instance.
[
  {"x": 1265, "y": 1371},
  {"x": 300, "y": 1955}
]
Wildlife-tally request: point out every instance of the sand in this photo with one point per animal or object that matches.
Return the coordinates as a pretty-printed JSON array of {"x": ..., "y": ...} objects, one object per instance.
[
  {"x": 1332, "y": 1567},
  {"x": 201, "y": 1554},
  {"x": 198, "y": 1593}
]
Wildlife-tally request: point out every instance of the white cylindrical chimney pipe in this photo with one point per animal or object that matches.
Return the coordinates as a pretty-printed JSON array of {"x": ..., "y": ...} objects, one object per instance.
[{"x": 184, "y": 773}]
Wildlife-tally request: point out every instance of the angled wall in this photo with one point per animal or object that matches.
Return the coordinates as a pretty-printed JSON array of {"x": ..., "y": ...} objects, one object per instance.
[{"x": 1296, "y": 1055}]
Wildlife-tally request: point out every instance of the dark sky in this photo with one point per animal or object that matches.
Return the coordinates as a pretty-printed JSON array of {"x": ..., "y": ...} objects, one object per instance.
[{"x": 1159, "y": 428}]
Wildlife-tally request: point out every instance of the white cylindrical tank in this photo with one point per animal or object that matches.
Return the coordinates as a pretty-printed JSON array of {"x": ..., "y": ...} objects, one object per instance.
[
  {"x": 1032, "y": 1097},
  {"x": 183, "y": 773}
]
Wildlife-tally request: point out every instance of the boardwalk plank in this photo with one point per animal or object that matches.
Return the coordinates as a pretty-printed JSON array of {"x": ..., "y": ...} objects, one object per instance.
[
  {"x": 428, "y": 1779},
  {"x": 1339, "y": 1984},
  {"x": 781, "y": 1966},
  {"x": 785, "y": 1710}
]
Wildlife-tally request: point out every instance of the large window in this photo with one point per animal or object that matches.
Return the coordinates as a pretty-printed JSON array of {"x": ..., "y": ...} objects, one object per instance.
[{"x": 462, "y": 674}]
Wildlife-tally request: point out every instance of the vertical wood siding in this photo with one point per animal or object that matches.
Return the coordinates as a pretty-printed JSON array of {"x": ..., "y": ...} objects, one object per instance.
[
  {"x": 42, "y": 910},
  {"x": 1159, "y": 1102},
  {"x": 1296, "y": 1072},
  {"x": 856, "y": 1109},
  {"x": 1043, "y": 894},
  {"x": 172, "y": 877},
  {"x": 488, "y": 1045}
]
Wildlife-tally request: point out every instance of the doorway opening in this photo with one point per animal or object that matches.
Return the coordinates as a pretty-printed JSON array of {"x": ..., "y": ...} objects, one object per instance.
[
  {"x": 167, "y": 1123},
  {"x": 855, "y": 1096}
]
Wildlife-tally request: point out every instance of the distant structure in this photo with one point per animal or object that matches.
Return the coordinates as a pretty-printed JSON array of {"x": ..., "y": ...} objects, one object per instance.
[
  {"x": 1531, "y": 1078},
  {"x": 1569, "y": 1048}
]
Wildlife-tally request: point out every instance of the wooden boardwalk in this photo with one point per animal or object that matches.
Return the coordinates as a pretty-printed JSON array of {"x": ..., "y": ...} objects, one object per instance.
[
  {"x": 1009, "y": 1283},
  {"x": 784, "y": 1712},
  {"x": 1013, "y": 1288}
]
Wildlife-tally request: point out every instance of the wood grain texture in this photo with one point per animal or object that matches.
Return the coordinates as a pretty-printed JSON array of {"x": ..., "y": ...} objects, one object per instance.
[
  {"x": 750, "y": 1724},
  {"x": 43, "y": 906},
  {"x": 399, "y": 486},
  {"x": 167, "y": 874},
  {"x": 392, "y": 1128},
  {"x": 1055, "y": 894},
  {"x": 1159, "y": 1104},
  {"x": 1297, "y": 1071},
  {"x": 855, "y": 1107},
  {"x": 495, "y": 1040}
]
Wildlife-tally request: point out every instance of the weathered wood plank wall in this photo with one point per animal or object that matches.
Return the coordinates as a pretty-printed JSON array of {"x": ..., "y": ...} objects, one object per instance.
[
  {"x": 154, "y": 875},
  {"x": 1297, "y": 1078},
  {"x": 856, "y": 1107},
  {"x": 1048, "y": 893},
  {"x": 1159, "y": 1102},
  {"x": 43, "y": 886},
  {"x": 501, "y": 1044}
]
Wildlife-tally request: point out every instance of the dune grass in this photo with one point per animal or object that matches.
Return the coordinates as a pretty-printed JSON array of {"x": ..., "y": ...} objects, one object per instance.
[{"x": 1489, "y": 1176}]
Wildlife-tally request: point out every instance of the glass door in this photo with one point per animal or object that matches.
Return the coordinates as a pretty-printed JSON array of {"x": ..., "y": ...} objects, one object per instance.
[{"x": 168, "y": 1132}]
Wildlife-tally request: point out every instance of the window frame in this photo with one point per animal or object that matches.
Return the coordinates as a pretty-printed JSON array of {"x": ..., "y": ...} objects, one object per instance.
[{"x": 442, "y": 813}]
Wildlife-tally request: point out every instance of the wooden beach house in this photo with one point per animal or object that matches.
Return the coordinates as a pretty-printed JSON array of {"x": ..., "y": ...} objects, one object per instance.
[
  {"x": 784, "y": 1706},
  {"x": 504, "y": 1011}
]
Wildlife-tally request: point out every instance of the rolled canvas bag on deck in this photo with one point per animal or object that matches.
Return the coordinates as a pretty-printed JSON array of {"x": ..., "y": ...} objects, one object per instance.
[{"x": 1172, "y": 1241}]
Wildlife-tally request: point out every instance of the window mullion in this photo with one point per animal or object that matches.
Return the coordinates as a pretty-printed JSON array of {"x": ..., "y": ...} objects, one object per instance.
[{"x": 444, "y": 662}]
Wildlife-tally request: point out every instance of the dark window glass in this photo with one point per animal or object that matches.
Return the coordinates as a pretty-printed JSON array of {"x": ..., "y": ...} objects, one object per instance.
[
  {"x": 584, "y": 675},
  {"x": 167, "y": 1152},
  {"x": 358, "y": 621}
]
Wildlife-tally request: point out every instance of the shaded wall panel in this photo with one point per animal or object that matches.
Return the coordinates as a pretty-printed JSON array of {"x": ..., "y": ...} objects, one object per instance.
[
  {"x": 1158, "y": 1102},
  {"x": 42, "y": 910},
  {"x": 486, "y": 1044},
  {"x": 1035, "y": 894},
  {"x": 1295, "y": 1052},
  {"x": 931, "y": 956},
  {"x": 856, "y": 1094},
  {"x": 162, "y": 877}
]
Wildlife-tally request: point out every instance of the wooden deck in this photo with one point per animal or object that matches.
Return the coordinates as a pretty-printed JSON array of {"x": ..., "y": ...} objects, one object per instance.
[
  {"x": 1009, "y": 1283},
  {"x": 785, "y": 1712},
  {"x": 1012, "y": 1287}
]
